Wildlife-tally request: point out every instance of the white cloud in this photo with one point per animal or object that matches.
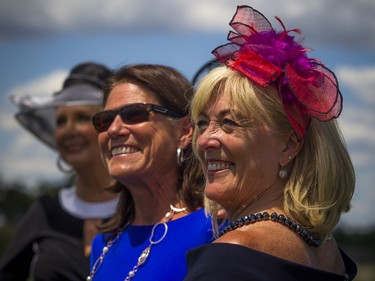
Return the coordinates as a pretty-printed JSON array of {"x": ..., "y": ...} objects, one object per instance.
[
  {"x": 358, "y": 118},
  {"x": 344, "y": 23},
  {"x": 27, "y": 159},
  {"x": 358, "y": 124},
  {"x": 361, "y": 80},
  {"x": 41, "y": 86}
]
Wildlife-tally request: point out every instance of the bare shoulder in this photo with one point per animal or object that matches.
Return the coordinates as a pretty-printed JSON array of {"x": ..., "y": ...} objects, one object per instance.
[{"x": 271, "y": 238}]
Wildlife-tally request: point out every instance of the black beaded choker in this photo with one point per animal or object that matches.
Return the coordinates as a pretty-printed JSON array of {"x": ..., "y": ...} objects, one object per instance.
[{"x": 253, "y": 218}]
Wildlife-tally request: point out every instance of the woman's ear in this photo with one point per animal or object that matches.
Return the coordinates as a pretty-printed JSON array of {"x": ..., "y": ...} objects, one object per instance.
[
  {"x": 186, "y": 132},
  {"x": 291, "y": 149}
]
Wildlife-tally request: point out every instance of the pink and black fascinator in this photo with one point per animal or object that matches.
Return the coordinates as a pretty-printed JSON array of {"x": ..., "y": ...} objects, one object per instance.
[{"x": 265, "y": 56}]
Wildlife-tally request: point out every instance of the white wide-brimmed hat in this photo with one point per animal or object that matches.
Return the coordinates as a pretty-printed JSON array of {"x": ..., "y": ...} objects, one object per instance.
[{"x": 37, "y": 114}]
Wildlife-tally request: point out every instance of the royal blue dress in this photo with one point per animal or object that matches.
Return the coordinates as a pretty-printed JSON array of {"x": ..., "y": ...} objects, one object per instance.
[{"x": 167, "y": 260}]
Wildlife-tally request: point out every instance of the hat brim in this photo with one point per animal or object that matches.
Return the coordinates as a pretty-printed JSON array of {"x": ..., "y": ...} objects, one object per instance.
[{"x": 37, "y": 114}]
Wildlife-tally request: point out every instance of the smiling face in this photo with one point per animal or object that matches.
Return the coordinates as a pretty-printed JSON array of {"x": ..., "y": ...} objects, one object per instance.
[
  {"x": 143, "y": 151},
  {"x": 240, "y": 157},
  {"x": 75, "y": 136}
]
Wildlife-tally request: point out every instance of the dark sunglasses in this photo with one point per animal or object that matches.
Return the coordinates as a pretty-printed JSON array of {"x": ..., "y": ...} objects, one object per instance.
[{"x": 130, "y": 114}]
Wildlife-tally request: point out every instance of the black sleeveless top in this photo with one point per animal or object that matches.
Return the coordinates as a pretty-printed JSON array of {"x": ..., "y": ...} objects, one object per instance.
[
  {"x": 48, "y": 246},
  {"x": 224, "y": 261}
]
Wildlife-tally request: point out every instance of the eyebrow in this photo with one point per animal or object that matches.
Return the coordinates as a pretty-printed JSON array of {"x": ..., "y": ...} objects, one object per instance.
[{"x": 221, "y": 113}]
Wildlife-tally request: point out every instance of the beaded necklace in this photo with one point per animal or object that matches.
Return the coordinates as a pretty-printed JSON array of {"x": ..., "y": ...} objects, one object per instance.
[
  {"x": 253, "y": 218},
  {"x": 145, "y": 253}
]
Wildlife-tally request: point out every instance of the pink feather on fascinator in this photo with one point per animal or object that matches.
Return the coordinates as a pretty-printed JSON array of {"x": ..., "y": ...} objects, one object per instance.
[{"x": 307, "y": 88}]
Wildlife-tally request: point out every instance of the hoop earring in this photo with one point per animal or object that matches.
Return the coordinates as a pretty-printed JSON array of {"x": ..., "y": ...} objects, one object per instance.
[
  {"x": 180, "y": 157},
  {"x": 283, "y": 173},
  {"x": 63, "y": 167}
]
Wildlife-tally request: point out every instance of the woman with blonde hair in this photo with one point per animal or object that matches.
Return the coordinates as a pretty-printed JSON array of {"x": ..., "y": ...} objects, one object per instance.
[{"x": 274, "y": 159}]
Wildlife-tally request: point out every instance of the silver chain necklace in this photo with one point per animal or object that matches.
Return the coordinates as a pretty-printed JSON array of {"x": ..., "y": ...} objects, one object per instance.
[{"x": 145, "y": 253}]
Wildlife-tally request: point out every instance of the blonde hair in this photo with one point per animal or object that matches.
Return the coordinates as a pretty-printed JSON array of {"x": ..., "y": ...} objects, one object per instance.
[{"x": 322, "y": 179}]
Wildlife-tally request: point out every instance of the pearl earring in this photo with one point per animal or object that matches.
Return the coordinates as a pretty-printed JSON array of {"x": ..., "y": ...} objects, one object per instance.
[{"x": 283, "y": 173}]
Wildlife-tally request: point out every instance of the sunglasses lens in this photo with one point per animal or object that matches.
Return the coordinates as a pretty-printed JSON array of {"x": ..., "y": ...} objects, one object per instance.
[
  {"x": 134, "y": 114},
  {"x": 102, "y": 120},
  {"x": 130, "y": 114}
]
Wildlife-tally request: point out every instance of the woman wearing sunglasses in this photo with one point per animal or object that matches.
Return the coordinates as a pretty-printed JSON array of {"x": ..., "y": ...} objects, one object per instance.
[
  {"x": 145, "y": 136},
  {"x": 54, "y": 238}
]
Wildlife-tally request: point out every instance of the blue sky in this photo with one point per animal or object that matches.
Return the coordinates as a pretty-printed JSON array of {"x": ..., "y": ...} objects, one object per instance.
[{"x": 41, "y": 40}]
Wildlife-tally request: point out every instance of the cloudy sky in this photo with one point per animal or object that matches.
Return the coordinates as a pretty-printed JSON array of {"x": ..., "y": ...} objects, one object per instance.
[{"x": 40, "y": 40}]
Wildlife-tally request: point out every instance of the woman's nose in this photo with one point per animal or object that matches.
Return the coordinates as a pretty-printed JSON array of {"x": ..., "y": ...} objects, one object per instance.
[
  {"x": 70, "y": 125},
  {"x": 117, "y": 127},
  {"x": 210, "y": 138}
]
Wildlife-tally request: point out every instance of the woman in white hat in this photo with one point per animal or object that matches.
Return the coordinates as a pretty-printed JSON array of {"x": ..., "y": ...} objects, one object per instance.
[{"x": 53, "y": 240}]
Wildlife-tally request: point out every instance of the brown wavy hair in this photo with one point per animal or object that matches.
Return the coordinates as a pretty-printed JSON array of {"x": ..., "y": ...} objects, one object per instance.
[{"x": 175, "y": 92}]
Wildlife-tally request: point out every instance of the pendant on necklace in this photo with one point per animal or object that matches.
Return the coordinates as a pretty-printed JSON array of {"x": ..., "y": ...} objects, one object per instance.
[{"x": 143, "y": 257}]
